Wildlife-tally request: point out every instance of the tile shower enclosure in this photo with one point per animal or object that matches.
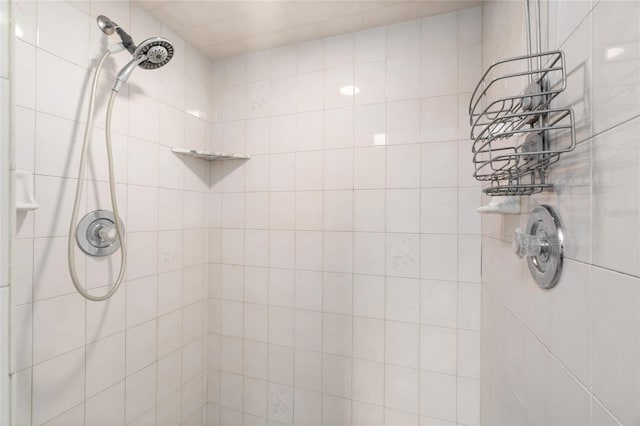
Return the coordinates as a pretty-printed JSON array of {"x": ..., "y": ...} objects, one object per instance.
[{"x": 333, "y": 278}]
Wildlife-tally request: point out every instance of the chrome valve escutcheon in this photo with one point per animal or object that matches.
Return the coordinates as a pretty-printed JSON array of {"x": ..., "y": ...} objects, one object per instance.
[{"x": 542, "y": 245}]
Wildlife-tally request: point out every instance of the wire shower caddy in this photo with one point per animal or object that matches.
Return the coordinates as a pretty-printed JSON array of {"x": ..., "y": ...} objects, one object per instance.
[{"x": 516, "y": 138}]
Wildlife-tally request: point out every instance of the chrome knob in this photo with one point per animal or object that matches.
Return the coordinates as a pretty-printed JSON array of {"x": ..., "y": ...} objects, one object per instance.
[{"x": 107, "y": 233}]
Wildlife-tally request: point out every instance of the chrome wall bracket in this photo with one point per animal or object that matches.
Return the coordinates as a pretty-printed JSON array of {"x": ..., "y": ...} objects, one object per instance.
[
  {"x": 543, "y": 245},
  {"x": 96, "y": 233}
]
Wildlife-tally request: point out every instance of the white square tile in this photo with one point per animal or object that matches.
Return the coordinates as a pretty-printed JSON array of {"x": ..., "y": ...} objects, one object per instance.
[
  {"x": 281, "y": 327},
  {"x": 370, "y": 79},
  {"x": 336, "y": 376},
  {"x": 308, "y": 408},
  {"x": 338, "y": 128},
  {"x": 336, "y": 411},
  {"x": 310, "y": 91},
  {"x": 369, "y": 210},
  {"x": 308, "y": 290},
  {"x": 309, "y": 170},
  {"x": 469, "y": 248},
  {"x": 438, "y": 160},
  {"x": 403, "y": 122},
  {"x": 105, "y": 363},
  {"x": 439, "y": 304},
  {"x": 309, "y": 210},
  {"x": 280, "y": 368},
  {"x": 337, "y": 81},
  {"x": 338, "y": 210},
  {"x": 369, "y": 339},
  {"x": 403, "y": 166},
  {"x": 614, "y": 320},
  {"x": 282, "y": 136},
  {"x": 282, "y": 210},
  {"x": 57, "y": 326},
  {"x": 369, "y": 168},
  {"x": 338, "y": 251},
  {"x": 439, "y": 257},
  {"x": 57, "y": 386},
  {"x": 368, "y": 296},
  {"x": 255, "y": 396},
  {"x": 367, "y": 414},
  {"x": 282, "y": 249},
  {"x": 402, "y": 344},
  {"x": 403, "y": 78},
  {"x": 403, "y": 210},
  {"x": 402, "y": 297},
  {"x": 403, "y": 255},
  {"x": 439, "y": 210},
  {"x": 256, "y": 215},
  {"x": 440, "y": 71},
  {"x": 438, "y": 395},
  {"x": 339, "y": 51},
  {"x": 440, "y": 118},
  {"x": 338, "y": 169},
  {"x": 258, "y": 66},
  {"x": 281, "y": 287},
  {"x": 369, "y": 125},
  {"x": 308, "y": 370},
  {"x": 370, "y": 45},
  {"x": 280, "y": 403},
  {"x": 438, "y": 349},
  {"x": 369, "y": 253},
  {"x": 368, "y": 382},
  {"x": 255, "y": 322},
  {"x": 283, "y": 61},
  {"x": 337, "y": 334},
  {"x": 309, "y": 250},
  {"x": 403, "y": 39},
  {"x": 469, "y": 354},
  {"x": 308, "y": 330},
  {"x": 310, "y": 56},
  {"x": 282, "y": 167},
  {"x": 256, "y": 283},
  {"x": 401, "y": 388},
  {"x": 283, "y": 97},
  {"x": 140, "y": 346},
  {"x": 310, "y": 131},
  {"x": 337, "y": 293}
]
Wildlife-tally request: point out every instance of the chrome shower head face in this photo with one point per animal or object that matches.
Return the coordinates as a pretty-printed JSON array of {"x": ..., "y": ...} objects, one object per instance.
[{"x": 157, "y": 50}]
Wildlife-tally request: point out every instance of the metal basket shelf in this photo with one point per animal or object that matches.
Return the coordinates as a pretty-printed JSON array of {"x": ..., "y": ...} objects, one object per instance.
[{"x": 517, "y": 137}]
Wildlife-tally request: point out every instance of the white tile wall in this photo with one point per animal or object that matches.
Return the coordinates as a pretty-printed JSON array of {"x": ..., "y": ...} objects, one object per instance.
[
  {"x": 139, "y": 357},
  {"x": 349, "y": 270},
  {"x": 547, "y": 356}
]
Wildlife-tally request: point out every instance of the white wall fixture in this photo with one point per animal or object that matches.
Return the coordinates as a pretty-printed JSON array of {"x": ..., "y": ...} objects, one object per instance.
[
  {"x": 209, "y": 155},
  {"x": 25, "y": 199},
  {"x": 503, "y": 205}
]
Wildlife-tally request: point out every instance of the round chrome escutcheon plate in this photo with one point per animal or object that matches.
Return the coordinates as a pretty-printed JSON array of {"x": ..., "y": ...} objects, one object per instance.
[
  {"x": 546, "y": 267},
  {"x": 96, "y": 234}
]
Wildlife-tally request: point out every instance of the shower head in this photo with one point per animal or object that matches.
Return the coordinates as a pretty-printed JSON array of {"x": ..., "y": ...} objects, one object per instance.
[
  {"x": 157, "y": 50},
  {"x": 154, "y": 52},
  {"x": 151, "y": 54}
]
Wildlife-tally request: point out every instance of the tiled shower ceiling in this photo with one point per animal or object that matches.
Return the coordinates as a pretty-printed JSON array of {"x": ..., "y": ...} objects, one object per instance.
[{"x": 227, "y": 28}]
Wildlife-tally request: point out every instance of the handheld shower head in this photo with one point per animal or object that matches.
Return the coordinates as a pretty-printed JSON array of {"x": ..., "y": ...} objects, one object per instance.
[
  {"x": 154, "y": 52},
  {"x": 151, "y": 54},
  {"x": 157, "y": 50}
]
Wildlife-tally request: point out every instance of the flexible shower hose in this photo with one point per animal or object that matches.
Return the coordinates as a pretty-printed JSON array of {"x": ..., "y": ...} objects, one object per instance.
[{"x": 112, "y": 188}]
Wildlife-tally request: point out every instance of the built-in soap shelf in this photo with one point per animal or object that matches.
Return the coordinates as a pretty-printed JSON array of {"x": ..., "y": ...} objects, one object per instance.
[{"x": 209, "y": 155}]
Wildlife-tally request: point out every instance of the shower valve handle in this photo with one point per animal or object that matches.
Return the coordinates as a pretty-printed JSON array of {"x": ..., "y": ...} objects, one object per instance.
[{"x": 525, "y": 245}]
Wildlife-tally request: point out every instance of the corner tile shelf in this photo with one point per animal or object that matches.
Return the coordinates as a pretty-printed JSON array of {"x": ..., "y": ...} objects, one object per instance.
[{"x": 209, "y": 155}]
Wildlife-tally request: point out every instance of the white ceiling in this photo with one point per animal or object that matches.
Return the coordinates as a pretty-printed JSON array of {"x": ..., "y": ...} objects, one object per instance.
[{"x": 227, "y": 28}]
